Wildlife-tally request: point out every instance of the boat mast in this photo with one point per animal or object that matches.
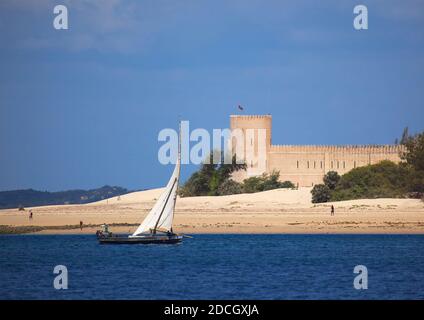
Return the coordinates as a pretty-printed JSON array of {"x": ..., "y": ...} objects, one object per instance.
[
  {"x": 179, "y": 168},
  {"x": 164, "y": 206},
  {"x": 175, "y": 181}
]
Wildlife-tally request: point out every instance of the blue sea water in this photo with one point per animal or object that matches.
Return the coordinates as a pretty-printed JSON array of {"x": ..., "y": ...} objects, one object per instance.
[{"x": 214, "y": 267}]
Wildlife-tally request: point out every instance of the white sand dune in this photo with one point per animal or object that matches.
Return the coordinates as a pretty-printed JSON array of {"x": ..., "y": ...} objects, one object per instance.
[
  {"x": 300, "y": 198},
  {"x": 274, "y": 211},
  {"x": 133, "y": 197}
]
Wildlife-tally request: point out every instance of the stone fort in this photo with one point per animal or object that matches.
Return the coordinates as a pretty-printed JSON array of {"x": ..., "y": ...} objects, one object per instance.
[{"x": 305, "y": 165}]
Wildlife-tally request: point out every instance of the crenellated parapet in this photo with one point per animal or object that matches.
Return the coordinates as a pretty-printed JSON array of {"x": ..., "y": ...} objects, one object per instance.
[
  {"x": 349, "y": 149},
  {"x": 251, "y": 117}
]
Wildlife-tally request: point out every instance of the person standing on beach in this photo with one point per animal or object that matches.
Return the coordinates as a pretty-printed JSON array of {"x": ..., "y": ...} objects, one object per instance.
[
  {"x": 81, "y": 225},
  {"x": 332, "y": 210},
  {"x": 30, "y": 214}
]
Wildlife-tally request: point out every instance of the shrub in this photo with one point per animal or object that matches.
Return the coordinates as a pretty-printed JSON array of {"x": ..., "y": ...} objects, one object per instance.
[
  {"x": 287, "y": 184},
  {"x": 382, "y": 180},
  {"x": 415, "y": 151},
  {"x": 230, "y": 187},
  {"x": 331, "y": 179},
  {"x": 265, "y": 182},
  {"x": 196, "y": 185},
  {"x": 320, "y": 193},
  {"x": 209, "y": 178},
  {"x": 270, "y": 182},
  {"x": 253, "y": 184}
]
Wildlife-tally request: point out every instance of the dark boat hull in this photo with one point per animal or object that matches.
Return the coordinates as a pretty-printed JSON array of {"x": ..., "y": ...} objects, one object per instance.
[{"x": 172, "y": 239}]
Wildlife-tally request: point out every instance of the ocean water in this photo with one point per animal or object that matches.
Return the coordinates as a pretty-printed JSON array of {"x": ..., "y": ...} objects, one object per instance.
[{"x": 214, "y": 267}]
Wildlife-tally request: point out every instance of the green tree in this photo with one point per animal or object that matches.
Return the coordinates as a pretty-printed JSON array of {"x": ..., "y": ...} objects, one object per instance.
[
  {"x": 208, "y": 179},
  {"x": 226, "y": 169},
  {"x": 382, "y": 180},
  {"x": 320, "y": 193},
  {"x": 271, "y": 181},
  {"x": 214, "y": 183},
  {"x": 230, "y": 187},
  {"x": 405, "y": 136},
  {"x": 287, "y": 184},
  {"x": 415, "y": 151},
  {"x": 196, "y": 185},
  {"x": 265, "y": 182},
  {"x": 331, "y": 179},
  {"x": 253, "y": 184}
]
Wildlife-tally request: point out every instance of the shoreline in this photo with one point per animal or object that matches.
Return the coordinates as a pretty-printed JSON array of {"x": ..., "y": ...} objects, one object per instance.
[
  {"x": 229, "y": 233},
  {"x": 337, "y": 228},
  {"x": 279, "y": 211}
]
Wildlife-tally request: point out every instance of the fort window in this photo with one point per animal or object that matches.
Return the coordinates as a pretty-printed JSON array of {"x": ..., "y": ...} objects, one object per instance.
[
  {"x": 337, "y": 164},
  {"x": 331, "y": 164},
  {"x": 315, "y": 164},
  {"x": 308, "y": 164},
  {"x": 297, "y": 164},
  {"x": 344, "y": 165},
  {"x": 321, "y": 164}
]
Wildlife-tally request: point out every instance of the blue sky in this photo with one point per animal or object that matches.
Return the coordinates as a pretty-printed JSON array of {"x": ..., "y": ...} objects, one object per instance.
[{"x": 81, "y": 108}]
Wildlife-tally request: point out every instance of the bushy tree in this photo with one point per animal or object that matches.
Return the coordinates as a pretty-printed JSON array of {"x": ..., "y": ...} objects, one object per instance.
[
  {"x": 226, "y": 169},
  {"x": 384, "y": 179},
  {"x": 271, "y": 181},
  {"x": 331, "y": 179},
  {"x": 196, "y": 185},
  {"x": 253, "y": 184},
  {"x": 265, "y": 182},
  {"x": 287, "y": 184},
  {"x": 210, "y": 177},
  {"x": 415, "y": 151},
  {"x": 230, "y": 187},
  {"x": 320, "y": 193},
  {"x": 405, "y": 136}
]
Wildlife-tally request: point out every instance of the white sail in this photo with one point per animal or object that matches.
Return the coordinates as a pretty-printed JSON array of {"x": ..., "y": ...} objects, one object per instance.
[{"x": 162, "y": 213}]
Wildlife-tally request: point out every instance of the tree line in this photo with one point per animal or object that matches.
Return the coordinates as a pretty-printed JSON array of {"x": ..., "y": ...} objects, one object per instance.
[
  {"x": 385, "y": 179},
  {"x": 215, "y": 180}
]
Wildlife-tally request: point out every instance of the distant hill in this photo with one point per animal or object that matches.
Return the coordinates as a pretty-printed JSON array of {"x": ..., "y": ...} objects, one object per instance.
[{"x": 33, "y": 198}]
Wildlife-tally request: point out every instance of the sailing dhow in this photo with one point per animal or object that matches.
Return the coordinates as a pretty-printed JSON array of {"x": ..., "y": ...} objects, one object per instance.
[{"x": 157, "y": 226}]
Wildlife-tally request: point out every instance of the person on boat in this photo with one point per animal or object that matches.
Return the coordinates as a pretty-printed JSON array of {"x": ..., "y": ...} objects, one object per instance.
[
  {"x": 332, "y": 210},
  {"x": 105, "y": 230}
]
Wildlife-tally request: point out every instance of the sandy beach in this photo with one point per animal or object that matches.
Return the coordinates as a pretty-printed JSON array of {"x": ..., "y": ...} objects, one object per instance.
[{"x": 275, "y": 211}]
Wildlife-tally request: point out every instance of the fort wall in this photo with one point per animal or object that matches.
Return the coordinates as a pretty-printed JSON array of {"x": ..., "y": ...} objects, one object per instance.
[{"x": 306, "y": 165}]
